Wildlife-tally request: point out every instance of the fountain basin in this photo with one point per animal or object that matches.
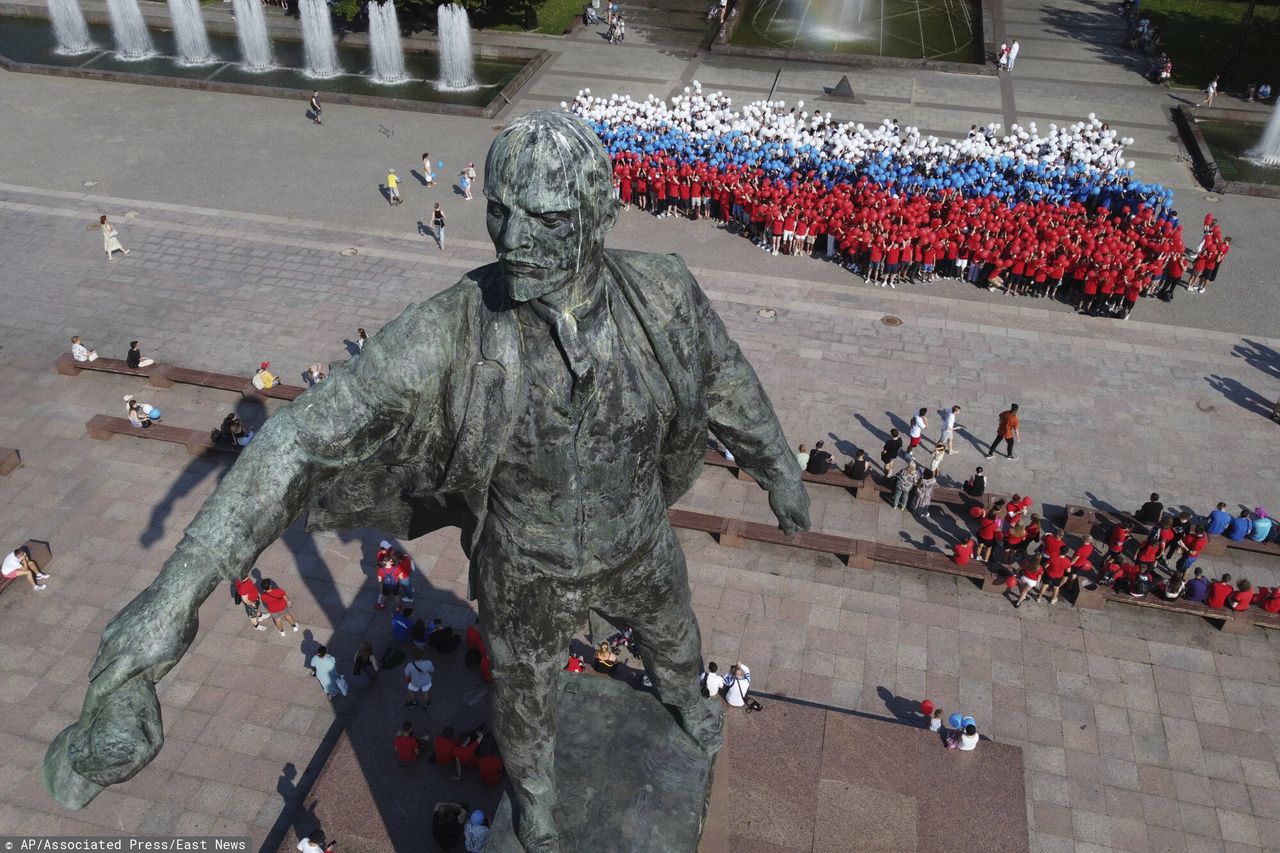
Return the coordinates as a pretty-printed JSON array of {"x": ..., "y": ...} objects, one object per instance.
[
  {"x": 1218, "y": 141},
  {"x": 893, "y": 33},
  {"x": 28, "y": 44}
]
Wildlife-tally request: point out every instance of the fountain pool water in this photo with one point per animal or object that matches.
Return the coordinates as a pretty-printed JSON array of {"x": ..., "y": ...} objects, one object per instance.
[
  {"x": 133, "y": 41},
  {"x": 456, "y": 71},
  {"x": 251, "y": 31},
  {"x": 1267, "y": 151},
  {"x": 189, "y": 32},
  {"x": 317, "y": 37},
  {"x": 70, "y": 27},
  {"x": 385, "y": 50}
]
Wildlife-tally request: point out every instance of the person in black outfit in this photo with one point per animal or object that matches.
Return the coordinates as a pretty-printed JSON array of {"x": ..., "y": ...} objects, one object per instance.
[
  {"x": 892, "y": 449},
  {"x": 857, "y": 469},
  {"x": 446, "y": 824},
  {"x": 819, "y": 460},
  {"x": 976, "y": 485},
  {"x": 1151, "y": 510},
  {"x": 134, "y": 359}
]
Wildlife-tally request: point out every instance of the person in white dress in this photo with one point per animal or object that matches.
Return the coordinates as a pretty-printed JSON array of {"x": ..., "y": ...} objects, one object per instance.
[{"x": 110, "y": 238}]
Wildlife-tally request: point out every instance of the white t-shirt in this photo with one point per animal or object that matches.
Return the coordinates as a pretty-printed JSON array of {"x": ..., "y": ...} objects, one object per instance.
[
  {"x": 12, "y": 564},
  {"x": 306, "y": 846},
  {"x": 714, "y": 681},
  {"x": 968, "y": 742},
  {"x": 1013, "y": 54},
  {"x": 802, "y": 459},
  {"x": 948, "y": 421},
  {"x": 474, "y": 837},
  {"x": 917, "y": 426},
  {"x": 419, "y": 673},
  {"x": 738, "y": 685}
]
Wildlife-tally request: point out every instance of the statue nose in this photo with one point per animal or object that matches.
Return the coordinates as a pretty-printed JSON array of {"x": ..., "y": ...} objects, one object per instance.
[{"x": 514, "y": 232}]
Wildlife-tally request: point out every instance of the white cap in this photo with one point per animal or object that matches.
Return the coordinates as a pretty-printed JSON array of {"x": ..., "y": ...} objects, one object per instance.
[{"x": 384, "y": 544}]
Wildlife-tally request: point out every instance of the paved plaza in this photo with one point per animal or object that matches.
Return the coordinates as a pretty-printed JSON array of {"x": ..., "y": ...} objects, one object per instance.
[{"x": 1139, "y": 730}]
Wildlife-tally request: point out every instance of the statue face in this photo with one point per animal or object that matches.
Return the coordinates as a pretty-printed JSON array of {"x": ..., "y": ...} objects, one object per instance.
[{"x": 547, "y": 222}]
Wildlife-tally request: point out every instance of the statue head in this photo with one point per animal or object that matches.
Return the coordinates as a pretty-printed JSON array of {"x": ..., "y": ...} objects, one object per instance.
[{"x": 548, "y": 181}]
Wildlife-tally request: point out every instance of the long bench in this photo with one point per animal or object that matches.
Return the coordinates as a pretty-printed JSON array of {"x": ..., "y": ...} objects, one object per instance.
[
  {"x": 833, "y": 477},
  {"x": 1081, "y": 520},
  {"x": 166, "y": 375},
  {"x": 197, "y": 443},
  {"x": 931, "y": 561},
  {"x": 732, "y": 532}
]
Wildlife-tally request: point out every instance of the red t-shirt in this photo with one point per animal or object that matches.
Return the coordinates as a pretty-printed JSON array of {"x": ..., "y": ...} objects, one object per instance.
[
  {"x": 276, "y": 600},
  {"x": 1083, "y": 553},
  {"x": 1218, "y": 592},
  {"x": 1240, "y": 600},
  {"x": 474, "y": 639},
  {"x": 1194, "y": 544},
  {"x": 963, "y": 553},
  {"x": 1058, "y": 566},
  {"x": 247, "y": 590},
  {"x": 1148, "y": 553},
  {"x": 490, "y": 767},
  {"x": 987, "y": 529},
  {"x": 444, "y": 747},
  {"x": 1117, "y": 539},
  {"x": 1272, "y": 602},
  {"x": 406, "y": 747},
  {"x": 1032, "y": 573},
  {"x": 466, "y": 753},
  {"x": 1052, "y": 545},
  {"x": 404, "y": 569}
]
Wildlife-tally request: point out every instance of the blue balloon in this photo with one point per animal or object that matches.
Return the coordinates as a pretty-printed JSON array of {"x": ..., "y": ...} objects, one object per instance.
[
  {"x": 968, "y": 721},
  {"x": 956, "y": 721},
  {"x": 154, "y": 414},
  {"x": 439, "y": 164}
]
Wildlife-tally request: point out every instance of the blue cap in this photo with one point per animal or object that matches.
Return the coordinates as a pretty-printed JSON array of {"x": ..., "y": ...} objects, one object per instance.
[{"x": 477, "y": 818}]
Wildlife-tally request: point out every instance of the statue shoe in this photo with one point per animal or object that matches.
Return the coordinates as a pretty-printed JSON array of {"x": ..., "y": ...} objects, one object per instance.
[{"x": 538, "y": 832}]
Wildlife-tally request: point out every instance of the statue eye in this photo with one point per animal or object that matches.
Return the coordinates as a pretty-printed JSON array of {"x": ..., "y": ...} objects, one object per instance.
[
  {"x": 496, "y": 209},
  {"x": 554, "y": 220}
]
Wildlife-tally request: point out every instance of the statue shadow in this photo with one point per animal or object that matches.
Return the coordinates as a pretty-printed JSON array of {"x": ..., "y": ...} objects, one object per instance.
[
  {"x": 252, "y": 414},
  {"x": 904, "y": 710}
]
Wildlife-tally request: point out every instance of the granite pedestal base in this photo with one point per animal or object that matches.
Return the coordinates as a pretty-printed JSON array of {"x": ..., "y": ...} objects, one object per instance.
[{"x": 628, "y": 778}]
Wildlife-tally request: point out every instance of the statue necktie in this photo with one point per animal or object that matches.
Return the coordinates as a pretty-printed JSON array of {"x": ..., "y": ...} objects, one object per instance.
[{"x": 581, "y": 362}]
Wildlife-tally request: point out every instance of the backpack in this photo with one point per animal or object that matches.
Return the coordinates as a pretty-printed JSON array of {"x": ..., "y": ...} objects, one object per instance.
[{"x": 392, "y": 657}]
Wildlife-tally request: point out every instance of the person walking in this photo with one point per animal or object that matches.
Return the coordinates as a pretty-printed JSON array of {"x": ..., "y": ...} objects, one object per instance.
[
  {"x": 110, "y": 238},
  {"x": 324, "y": 667},
  {"x": 277, "y": 601},
  {"x": 919, "y": 423},
  {"x": 935, "y": 461},
  {"x": 427, "y": 174},
  {"x": 315, "y": 108},
  {"x": 1006, "y": 431},
  {"x": 948, "y": 437},
  {"x": 464, "y": 184},
  {"x": 437, "y": 224},
  {"x": 892, "y": 448},
  {"x": 246, "y": 594},
  {"x": 417, "y": 679},
  {"x": 1210, "y": 91},
  {"x": 393, "y": 188}
]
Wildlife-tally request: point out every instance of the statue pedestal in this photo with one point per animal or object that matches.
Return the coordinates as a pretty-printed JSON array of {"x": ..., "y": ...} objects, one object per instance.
[{"x": 628, "y": 778}]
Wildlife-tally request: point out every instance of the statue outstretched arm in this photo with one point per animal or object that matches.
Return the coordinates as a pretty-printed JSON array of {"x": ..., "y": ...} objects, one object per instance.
[
  {"x": 742, "y": 417},
  {"x": 340, "y": 422}
]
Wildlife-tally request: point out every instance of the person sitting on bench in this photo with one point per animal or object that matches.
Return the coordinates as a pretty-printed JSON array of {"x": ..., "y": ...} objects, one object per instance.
[
  {"x": 139, "y": 417},
  {"x": 234, "y": 431},
  {"x": 819, "y": 460},
  {"x": 134, "y": 357},
  {"x": 80, "y": 352},
  {"x": 19, "y": 562}
]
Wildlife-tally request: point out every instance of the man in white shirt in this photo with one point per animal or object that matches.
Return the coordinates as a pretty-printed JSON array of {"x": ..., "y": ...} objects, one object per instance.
[
  {"x": 712, "y": 681},
  {"x": 315, "y": 843},
  {"x": 948, "y": 436},
  {"x": 80, "y": 352},
  {"x": 19, "y": 562},
  {"x": 919, "y": 423},
  {"x": 737, "y": 684},
  {"x": 1013, "y": 53}
]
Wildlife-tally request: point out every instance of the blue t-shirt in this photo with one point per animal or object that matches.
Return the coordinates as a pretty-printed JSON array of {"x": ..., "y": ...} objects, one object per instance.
[
  {"x": 1238, "y": 528},
  {"x": 1197, "y": 589},
  {"x": 1218, "y": 521},
  {"x": 401, "y": 625},
  {"x": 1261, "y": 529}
]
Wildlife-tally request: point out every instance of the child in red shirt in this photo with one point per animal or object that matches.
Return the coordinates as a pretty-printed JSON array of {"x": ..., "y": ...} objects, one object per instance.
[
  {"x": 962, "y": 551},
  {"x": 1240, "y": 599},
  {"x": 406, "y": 746},
  {"x": 1029, "y": 580},
  {"x": 1219, "y": 591},
  {"x": 445, "y": 744}
]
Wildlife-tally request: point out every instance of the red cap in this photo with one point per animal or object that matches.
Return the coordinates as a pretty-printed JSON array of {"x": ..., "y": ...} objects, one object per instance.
[{"x": 264, "y": 365}]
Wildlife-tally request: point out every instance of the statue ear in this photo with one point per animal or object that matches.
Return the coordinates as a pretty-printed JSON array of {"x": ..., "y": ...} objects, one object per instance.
[{"x": 609, "y": 216}]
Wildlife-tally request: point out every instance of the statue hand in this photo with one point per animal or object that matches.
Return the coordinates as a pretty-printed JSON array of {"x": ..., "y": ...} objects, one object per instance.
[
  {"x": 119, "y": 731},
  {"x": 790, "y": 504}
]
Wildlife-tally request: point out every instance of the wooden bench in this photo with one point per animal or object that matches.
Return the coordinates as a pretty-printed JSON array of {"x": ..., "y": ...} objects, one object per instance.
[
  {"x": 10, "y": 461},
  {"x": 1271, "y": 549},
  {"x": 1080, "y": 520},
  {"x": 40, "y": 552},
  {"x": 68, "y": 366},
  {"x": 833, "y": 477},
  {"x": 732, "y": 532},
  {"x": 929, "y": 561},
  {"x": 166, "y": 375},
  {"x": 686, "y": 519},
  {"x": 197, "y": 443}
]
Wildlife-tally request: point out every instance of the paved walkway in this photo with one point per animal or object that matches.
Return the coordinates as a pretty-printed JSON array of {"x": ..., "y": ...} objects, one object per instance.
[{"x": 1139, "y": 731}]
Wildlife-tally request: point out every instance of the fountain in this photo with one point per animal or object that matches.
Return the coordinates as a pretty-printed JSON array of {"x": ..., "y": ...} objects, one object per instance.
[
  {"x": 188, "y": 31},
  {"x": 69, "y": 27},
  {"x": 385, "y": 49},
  {"x": 1267, "y": 151},
  {"x": 133, "y": 41},
  {"x": 251, "y": 30},
  {"x": 317, "y": 38},
  {"x": 456, "y": 70}
]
